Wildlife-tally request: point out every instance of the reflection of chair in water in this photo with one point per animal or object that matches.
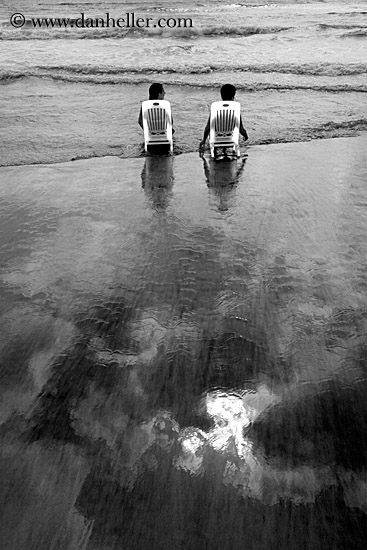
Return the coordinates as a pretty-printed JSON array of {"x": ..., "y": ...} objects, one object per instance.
[
  {"x": 221, "y": 174},
  {"x": 157, "y": 126},
  {"x": 224, "y": 128},
  {"x": 157, "y": 180},
  {"x": 222, "y": 178}
]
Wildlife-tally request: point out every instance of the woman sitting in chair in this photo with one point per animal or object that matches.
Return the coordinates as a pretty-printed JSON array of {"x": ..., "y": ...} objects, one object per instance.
[
  {"x": 156, "y": 91},
  {"x": 228, "y": 93},
  {"x": 155, "y": 118}
]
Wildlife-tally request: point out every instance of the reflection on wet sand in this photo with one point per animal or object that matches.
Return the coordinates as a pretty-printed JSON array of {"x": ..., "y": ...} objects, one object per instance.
[
  {"x": 222, "y": 178},
  {"x": 157, "y": 180},
  {"x": 203, "y": 383}
]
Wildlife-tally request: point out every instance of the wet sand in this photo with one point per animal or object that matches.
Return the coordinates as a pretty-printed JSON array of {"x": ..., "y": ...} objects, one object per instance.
[{"x": 183, "y": 351}]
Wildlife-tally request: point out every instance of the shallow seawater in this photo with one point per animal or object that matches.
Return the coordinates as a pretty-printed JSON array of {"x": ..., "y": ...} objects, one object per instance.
[
  {"x": 70, "y": 93},
  {"x": 183, "y": 351},
  {"x": 44, "y": 121}
]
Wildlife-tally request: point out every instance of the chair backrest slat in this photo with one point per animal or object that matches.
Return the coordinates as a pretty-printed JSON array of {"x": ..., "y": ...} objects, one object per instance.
[
  {"x": 225, "y": 121},
  {"x": 157, "y": 119}
]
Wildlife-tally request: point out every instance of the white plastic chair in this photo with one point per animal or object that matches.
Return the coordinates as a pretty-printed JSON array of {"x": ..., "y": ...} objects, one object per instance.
[
  {"x": 157, "y": 125},
  {"x": 225, "y": 127}
]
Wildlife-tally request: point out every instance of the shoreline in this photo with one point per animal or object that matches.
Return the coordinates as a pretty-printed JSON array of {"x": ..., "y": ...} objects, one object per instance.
[
  {"x": 179, "y": 153},
  {"x": 52, "y": 122}
]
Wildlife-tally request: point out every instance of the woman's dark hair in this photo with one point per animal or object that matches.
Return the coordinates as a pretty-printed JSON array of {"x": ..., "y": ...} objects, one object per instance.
[
  {"x": 228, "y": 91},
  {"x": 155, "y": 89}
]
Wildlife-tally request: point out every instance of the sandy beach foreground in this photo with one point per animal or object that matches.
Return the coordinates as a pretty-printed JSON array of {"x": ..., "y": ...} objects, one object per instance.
[{"x": 183, "y": 351}]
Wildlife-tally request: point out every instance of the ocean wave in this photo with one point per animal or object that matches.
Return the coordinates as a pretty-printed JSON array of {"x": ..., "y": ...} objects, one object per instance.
[
  {"x": 355, "y": 13},
  {"x": 241, "y": 31},
  {"x": 116, "y": 76},
  {"x": 361, "y": 33},
  {"x": 359, "y": 124},
  {"x": 29, "y": 33},
  {"x": 10, "y": 76},
  {"x": 309, "y": 69},
  {"x": 325, "y": 26}
]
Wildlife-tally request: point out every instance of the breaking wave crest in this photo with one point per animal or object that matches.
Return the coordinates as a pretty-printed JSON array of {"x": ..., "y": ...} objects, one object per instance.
[
  {"x": 55, "y": 33},
  {"x": 360, "y": 33},
  {"x": 193, "y": 75}
]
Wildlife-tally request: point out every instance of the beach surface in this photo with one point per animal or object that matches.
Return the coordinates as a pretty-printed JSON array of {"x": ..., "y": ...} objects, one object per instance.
[{"x": 183, "y": 351}]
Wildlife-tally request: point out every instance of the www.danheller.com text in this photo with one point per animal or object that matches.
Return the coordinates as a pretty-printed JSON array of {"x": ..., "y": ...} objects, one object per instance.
[{"x": 129, "y": 21}]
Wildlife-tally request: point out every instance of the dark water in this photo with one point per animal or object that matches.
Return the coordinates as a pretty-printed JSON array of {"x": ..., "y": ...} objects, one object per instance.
[{"x": 183, "y": 352}]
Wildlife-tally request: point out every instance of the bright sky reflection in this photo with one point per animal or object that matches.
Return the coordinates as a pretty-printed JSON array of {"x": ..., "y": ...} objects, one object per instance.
[{"x": 245, "y": 470}]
